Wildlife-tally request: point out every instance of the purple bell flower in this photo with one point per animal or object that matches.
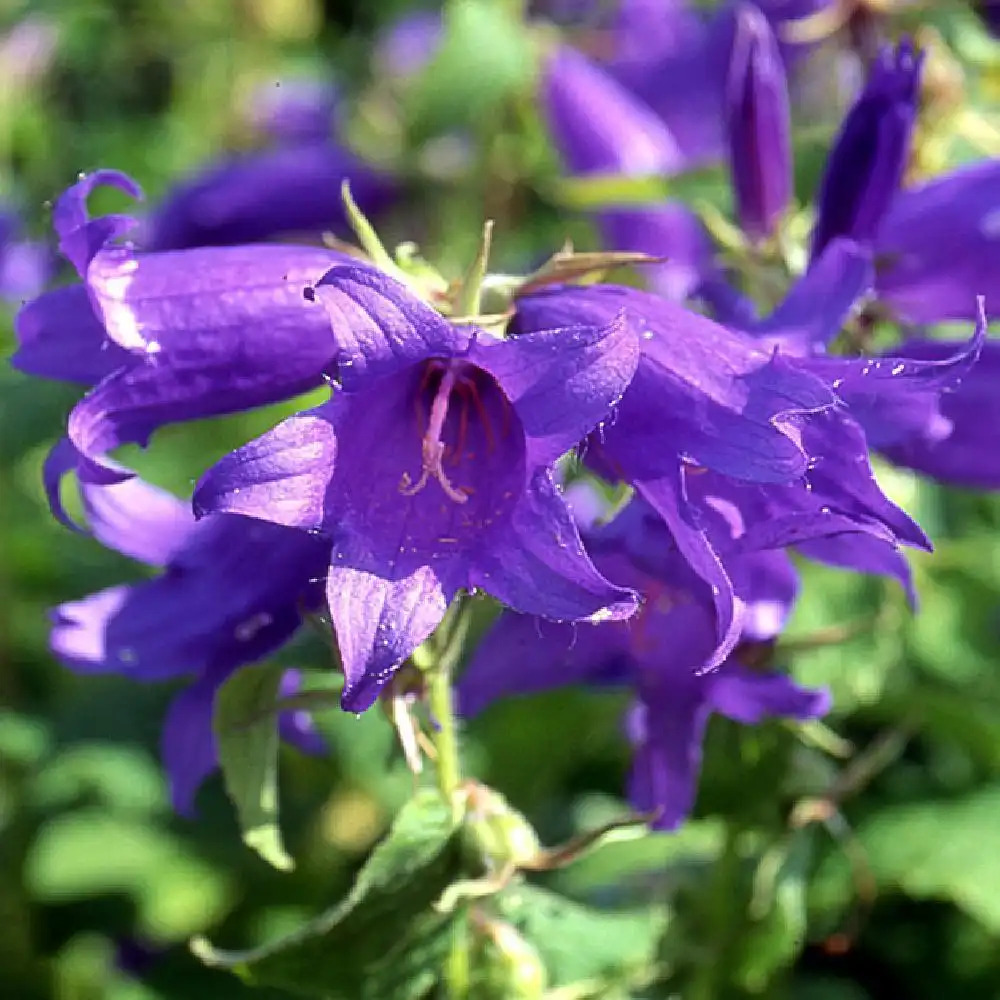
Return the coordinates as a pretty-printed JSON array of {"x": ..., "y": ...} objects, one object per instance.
[
  {"x": 758, "y": 125},
  {"x": 661, "y": 654},
  {"x": 287, "y": 190},
  {"x": 868, "y": 158},
  {"x": 711, "y": 422},
  {"x": 233, "y": 591},
  {"x": 168, "y": 337},
  {"x": 430, "y": 469}
]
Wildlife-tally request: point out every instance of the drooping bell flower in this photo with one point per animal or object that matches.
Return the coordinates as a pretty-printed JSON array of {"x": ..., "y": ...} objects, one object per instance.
[
  {"x": 708, "y": 405},
  {"x": 599, "y": 127},
  {"x": 289, "y": 190},
  {"x": 758, "y": 125},
  {"x": 233, "y": 590},
  {"x": 660, "y": 654},
  {"x": 430, "y": 469},
  {"x": 168, "y": 337},
  {"x": 866, "y": 164}
]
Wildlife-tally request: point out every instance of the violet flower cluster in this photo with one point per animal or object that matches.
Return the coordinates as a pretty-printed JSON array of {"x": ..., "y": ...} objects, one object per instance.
[{"x": 438, "y": 464}]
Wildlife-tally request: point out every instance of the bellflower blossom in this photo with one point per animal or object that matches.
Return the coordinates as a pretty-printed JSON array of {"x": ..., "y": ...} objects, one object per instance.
[
  {"x": 430, "y": 469},
  {"x": 293, "y": 188},
  {"x": 866, "y": 164},
  {"x": 167, "y": 337},
  {"x": 727, "y": 441},
  {"x": 658, "y": 654},
  {"x": 233, "y": 590}
]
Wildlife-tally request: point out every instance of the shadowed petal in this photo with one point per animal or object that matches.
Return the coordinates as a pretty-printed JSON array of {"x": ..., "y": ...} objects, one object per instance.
[
  {"x": 866, "y": 163},
  {"x": 815, "y": 309},
  {"x": 668, "y": 496},
  {"x": 863, "y": 553},
  {"x": 537, "y": 564},
  {"x": 60, "y": 337},
  {"x": 137, "y": 519},
  {"x": 963, "y": 447},
  {"x": 523, "y": 654},
  {"x": 749, "y": 696},
  {"x": 561, "y": 382},
  {"x": 667, "y": 728},
  {"x": 897, "y": 397},
  {"x": 266, "y": 194},
  {"x": 939, "y": 246},
  {"x": 231, "y": 595},
  {"x": 187, "y": 742}
]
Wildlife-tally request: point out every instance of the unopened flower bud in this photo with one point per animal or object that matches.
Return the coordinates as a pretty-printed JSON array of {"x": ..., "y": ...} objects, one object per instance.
[
  {"x": 757, "y": 120},
  {"x": 866, "y": 164}
]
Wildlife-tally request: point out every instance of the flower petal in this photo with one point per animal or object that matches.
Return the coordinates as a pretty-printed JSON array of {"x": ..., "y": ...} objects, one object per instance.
[
  {"x": 232, "y": 594},
  {"x": 60, "y": 337},
  {"x": 863, "y": 553},
  {"x": 522, "y": 654},
  {"x": 750, "y": 696},
  {"x": 896, "y": 397},
  {"x": 137, "y": 519},
  {"x": 187, "y": 743},
  {"x": 536, "y": 564},
  {"x": 667, "y": 728},
  {"x": 80, "y": 237},
  {"x": 266, "y": 194},
  {"x": 668, "y": 496},
  {"x": 939, "y": 246},
  {"x": 815, "y": 309},
  {"x": 380, "y": 326},
  {"x": 562, "y": 383},
  {"x": 597, "y": 125},
  {"x": 706, "y": 390},
  {"x": 963, "y": 447},
  {"x": 380, "y": 621}
]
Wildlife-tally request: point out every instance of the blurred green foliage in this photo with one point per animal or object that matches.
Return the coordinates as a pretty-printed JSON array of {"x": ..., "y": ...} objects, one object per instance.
[{"x": 840, "y": 864}]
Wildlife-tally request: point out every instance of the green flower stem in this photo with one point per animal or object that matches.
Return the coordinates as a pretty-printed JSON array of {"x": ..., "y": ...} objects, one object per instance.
[
  {"x": 723, "y": 921},
  {"x": 449, "y": 643},
  {"x": 446, "y": 737}
]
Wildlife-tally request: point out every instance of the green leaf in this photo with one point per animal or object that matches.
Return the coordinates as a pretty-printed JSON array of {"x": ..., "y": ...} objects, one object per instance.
[
  {"x": 384, "y": 941},
  {"x": 90, "y": 853},
  {"x": 942, "y": 850},
  {"x": 579, "y": 943},
  {"x": 776, "y": 935},
  {"x": 246, "y": 731}
]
